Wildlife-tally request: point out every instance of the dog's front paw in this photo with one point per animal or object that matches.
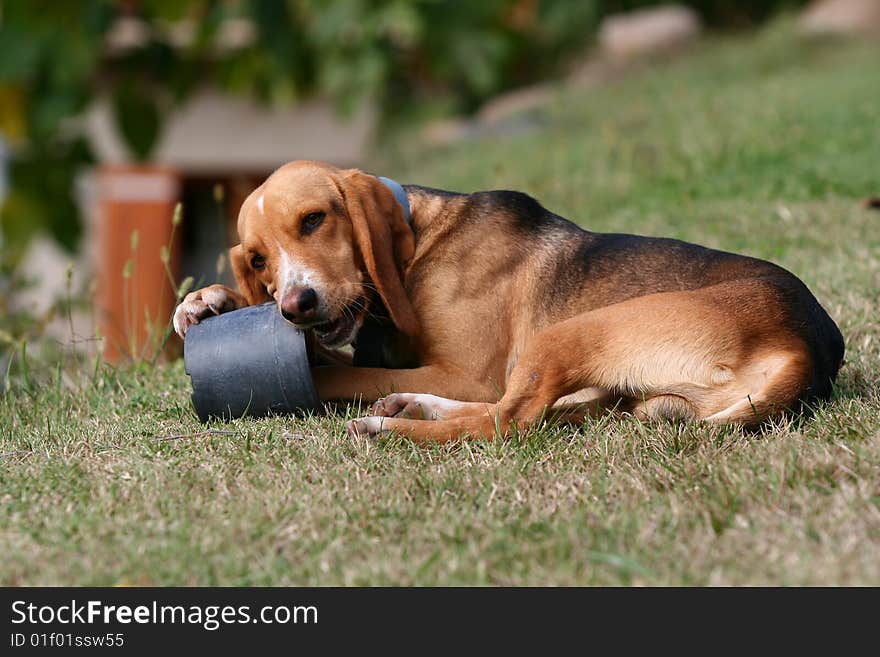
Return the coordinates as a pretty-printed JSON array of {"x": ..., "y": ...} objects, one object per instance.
[
  {"x": 211, "y": 300},
  {"x": 391, "y": 405},
  {"x": 365, "y": 427},
  {"x": 409, "y": 405}
]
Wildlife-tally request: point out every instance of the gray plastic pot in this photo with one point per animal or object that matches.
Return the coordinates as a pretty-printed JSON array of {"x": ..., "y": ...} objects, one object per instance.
[{"x": 248, "y": 362}]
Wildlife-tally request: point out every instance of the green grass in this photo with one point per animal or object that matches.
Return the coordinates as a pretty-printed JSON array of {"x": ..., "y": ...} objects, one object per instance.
[{"x": 762, "y": 144}]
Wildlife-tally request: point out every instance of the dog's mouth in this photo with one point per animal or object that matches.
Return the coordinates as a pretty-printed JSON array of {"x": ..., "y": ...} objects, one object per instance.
[{"x": 342, "y": 330}]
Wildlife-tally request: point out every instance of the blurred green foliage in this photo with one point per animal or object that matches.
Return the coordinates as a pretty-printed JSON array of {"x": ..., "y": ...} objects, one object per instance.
[
  {"x": 56, "y": 57},
  {"x": 718, "y": 13}
]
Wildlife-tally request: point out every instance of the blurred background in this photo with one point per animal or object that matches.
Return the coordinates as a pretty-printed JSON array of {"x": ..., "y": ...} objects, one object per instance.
[{"x": 113, "y": 112}]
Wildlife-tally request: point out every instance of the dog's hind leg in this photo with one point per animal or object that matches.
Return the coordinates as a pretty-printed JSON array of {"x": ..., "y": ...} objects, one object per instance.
[
  {"x": 773, "y": 380},
  {"x": 664, "y": 407}
]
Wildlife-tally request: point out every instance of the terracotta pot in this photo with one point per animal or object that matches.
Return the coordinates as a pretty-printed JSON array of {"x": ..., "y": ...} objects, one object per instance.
[{"x": 134, "y": 295}]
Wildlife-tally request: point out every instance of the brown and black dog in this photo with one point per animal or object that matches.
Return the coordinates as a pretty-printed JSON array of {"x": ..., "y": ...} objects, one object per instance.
[{"x": 486, "y": 295}]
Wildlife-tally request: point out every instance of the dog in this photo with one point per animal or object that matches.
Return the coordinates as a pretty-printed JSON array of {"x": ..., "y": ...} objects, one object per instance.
[{"x": 475, "y": 315}]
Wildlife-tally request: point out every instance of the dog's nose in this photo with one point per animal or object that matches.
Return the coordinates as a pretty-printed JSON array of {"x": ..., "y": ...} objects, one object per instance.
[{"x": 300, "y": 305}]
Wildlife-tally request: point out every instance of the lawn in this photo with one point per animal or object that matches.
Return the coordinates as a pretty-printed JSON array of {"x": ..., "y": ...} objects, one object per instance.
[{"x": 762, "y": 144}]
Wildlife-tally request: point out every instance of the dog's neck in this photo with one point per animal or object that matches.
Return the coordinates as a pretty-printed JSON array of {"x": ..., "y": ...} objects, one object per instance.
[
  {"x": 427, "y": 205},
  {"x": 400, "y": 196},
  {"x": 429, "y": 211}
]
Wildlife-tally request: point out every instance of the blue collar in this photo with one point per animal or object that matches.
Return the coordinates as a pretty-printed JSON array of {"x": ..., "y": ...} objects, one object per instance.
[{"x": 399, "y": 194}]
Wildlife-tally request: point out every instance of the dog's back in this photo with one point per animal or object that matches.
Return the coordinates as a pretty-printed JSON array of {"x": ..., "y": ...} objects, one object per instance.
[{"x": 582, "y": 270}]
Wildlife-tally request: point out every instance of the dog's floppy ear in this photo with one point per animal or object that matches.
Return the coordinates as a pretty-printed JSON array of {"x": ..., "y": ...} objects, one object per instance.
[
  {"x": 252, "y": 289},
  {"x": 385, "y": 240}
]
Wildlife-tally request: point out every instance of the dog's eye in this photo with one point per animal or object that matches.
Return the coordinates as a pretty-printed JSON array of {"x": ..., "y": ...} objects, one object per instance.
[
  {"x": 258, "y": 262},
  {"x": 312, "y": 221}
]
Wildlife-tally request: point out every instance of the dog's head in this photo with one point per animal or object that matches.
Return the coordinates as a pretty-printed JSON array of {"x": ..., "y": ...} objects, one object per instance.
[{"x": 322, "y": 242}]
